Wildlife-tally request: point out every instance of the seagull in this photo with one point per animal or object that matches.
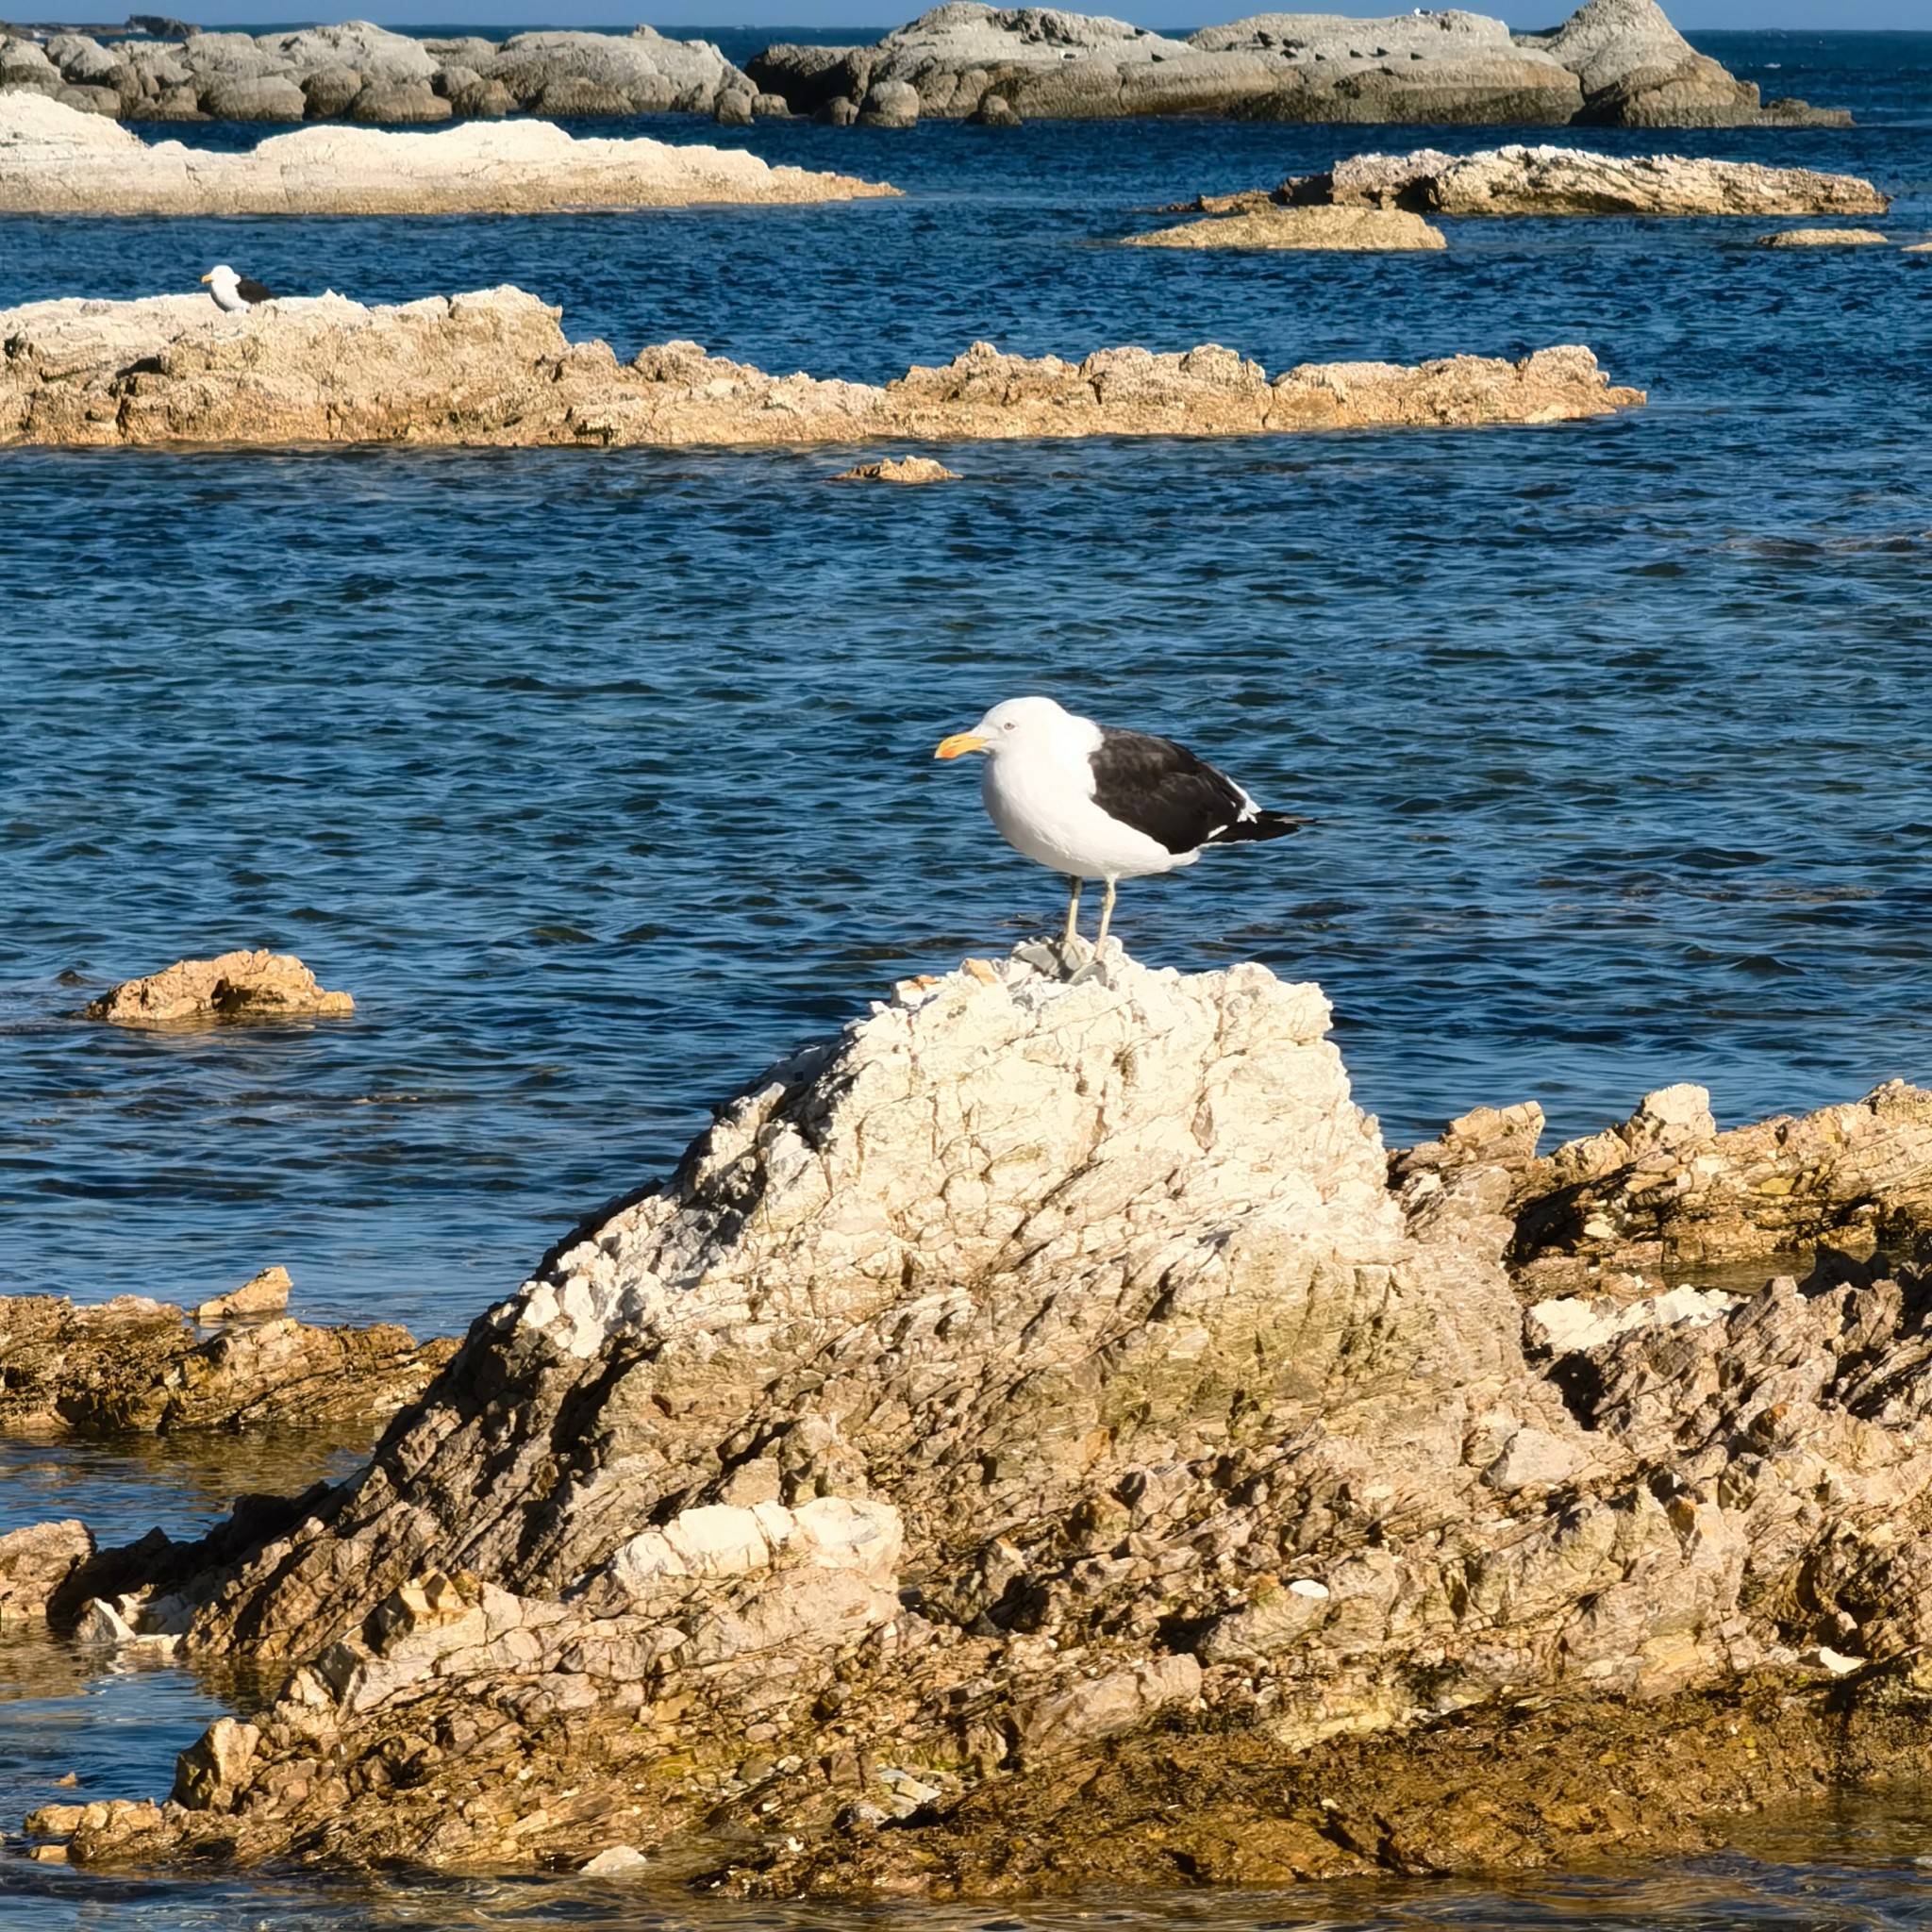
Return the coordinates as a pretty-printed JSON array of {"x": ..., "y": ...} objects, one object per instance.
[
  {"x": 233, "y": 292},
  {"x": 1096, "y": 802}
]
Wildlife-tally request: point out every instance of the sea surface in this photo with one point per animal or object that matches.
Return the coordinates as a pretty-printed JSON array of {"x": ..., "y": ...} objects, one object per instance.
[{"x": 603, "y": 778}]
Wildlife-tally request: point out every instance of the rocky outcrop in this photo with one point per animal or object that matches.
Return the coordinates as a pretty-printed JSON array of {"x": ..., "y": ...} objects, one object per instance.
[
  {"x": 1348, "y": 230},
  {"x": 236, "y": 986},
  {"x": 496, "y": 368},
  {"x": 1570, "y": 181},
  {"x": 1032, "y": 1421},
  {"x": 1824, "y": 237},
  {"x": 1636, "y": 70},
  {"x": 266, "y": 1293},
  {"x": 1615, "y": 61},
  {"x": 899, "y": 469},
  {"x": 132, "y": 1364},
  {"x": 365, "y": 72},
  {"x": 56, "y": 160}
]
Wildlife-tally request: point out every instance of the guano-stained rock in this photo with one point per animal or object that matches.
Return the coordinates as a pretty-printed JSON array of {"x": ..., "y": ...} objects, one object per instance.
[{"x": 494, "y": 368}]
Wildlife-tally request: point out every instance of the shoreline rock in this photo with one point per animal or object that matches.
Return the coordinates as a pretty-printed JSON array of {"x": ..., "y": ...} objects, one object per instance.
[
  {"x": 1614, "y": 62},
  {"x": 1045, "y": 1419},
  {"x": 1521, "y": 180},
  {"x": 245, "y": 985},
  {"x": 1346, "y": 230},
  {"x": 494, "y": 369},
  {"x": 901, "y": 470},
  {"x": 57, "y": 160}
]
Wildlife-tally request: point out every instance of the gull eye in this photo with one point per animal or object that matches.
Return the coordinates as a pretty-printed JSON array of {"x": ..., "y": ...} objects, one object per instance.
[{"x": 1008, "y": 726}]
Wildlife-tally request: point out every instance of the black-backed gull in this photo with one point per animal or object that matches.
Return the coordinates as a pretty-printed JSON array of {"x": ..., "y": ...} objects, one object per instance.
[
  {"x": 233, "y": 292},
  {"x": 1096, "y": 803}
]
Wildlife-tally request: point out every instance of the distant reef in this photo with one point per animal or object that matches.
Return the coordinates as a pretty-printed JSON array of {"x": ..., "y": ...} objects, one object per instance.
[
  {"x": 1616, "y": 63},
  {"x": 496, "y": 368}
]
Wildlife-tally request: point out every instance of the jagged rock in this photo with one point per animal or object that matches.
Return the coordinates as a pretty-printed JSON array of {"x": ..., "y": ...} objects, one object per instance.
[
  {"x": 54, "y": 161},
  {"x": 1353, "y": 230},
  {"x": 260, "y": 1294},
  {"x": 236, "y": 986},
  {"x": 1637, "y": 71},
  {"x": 1563, "y": 180},
  {"x": 1824, "y": 237},
  {"x": 496, "y": 368},
  {"x": 135, "y": 1364},
  {"x": 899, "y": 469},
  {"x": 35, "y": 1562},
  {"x": 1032, "y": 1417},
  {"x": 209, "y": 1771}
]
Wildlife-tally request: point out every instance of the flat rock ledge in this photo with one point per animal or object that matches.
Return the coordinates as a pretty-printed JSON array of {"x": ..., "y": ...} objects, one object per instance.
[
  {"x": 494, "y": 368},
  {"x": 1561, "y": 181},
  {"x": 1346, "y": 230},
  {"x": 257, "y": 984},
  {"x": 1041, "y": 1437},
  {"x": 57, "y": 160},
  {"x": 1614, "y": 63}
]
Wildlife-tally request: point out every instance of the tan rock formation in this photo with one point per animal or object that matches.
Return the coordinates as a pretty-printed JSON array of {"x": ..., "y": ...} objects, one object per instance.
[
  {"x": 236, "y": 986},
  {"x": 266, "y": 1293},
  {"x": 54, "y": 160},
  {"x": 135, "y": 1365},
  {"x": 1031, "y": 1417},
  {"x": 1352, "y": 230},
  {"x": 1824, "y": 237},
  {"x": 1572, "y": 181},
  {"x": 496, "y": 368},
  {"x": 899, "y": 469},
  {"x": 34, "y": 1564}
]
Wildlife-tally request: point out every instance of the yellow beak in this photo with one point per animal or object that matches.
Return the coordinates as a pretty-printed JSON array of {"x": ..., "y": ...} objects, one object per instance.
[
  {"x": 207, "y": 279},
  {"x": 959, "y": 744}
]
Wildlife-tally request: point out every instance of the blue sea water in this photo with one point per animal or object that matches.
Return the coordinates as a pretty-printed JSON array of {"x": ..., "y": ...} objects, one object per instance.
[{"x": 603, "y": 778}]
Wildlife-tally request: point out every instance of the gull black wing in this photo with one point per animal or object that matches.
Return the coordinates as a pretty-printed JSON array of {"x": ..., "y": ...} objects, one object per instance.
[
  {"x": 253, "y": 291},
  {"x": 1163, "y": 790}
]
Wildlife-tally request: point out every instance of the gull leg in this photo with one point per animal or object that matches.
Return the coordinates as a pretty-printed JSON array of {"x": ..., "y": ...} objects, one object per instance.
[
  {"x": 1106, "y": 914},
  {"x": 1072, "y": 931}
]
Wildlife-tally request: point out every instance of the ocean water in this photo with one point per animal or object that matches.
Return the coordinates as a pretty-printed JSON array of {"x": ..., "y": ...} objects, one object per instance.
[{"x": 603, "y": 778}]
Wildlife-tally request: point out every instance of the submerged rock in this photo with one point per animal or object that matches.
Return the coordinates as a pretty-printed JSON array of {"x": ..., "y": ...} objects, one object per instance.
[
  {"x": 54, "y": 160},
  {"x": 1349, "y": 230},
  {"x": 1574, "y": 181},
  {"x": 1032, "y": 1418},
  {"x": 236, "y": 986},
  {"x": 132, "y": 1364},
  {"x": 899, "y": 469},
  {"x": 1824, "y": 237},
  {"x": 1614, "y": 61},
  {"x": 496, "y": 368}
]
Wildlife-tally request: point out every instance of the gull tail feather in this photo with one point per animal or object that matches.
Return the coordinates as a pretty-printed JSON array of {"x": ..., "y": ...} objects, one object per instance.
[{"x": 1264, "y": 825}]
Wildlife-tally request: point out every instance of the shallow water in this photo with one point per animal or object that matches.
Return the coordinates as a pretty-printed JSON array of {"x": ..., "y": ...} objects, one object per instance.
[{"x": 603, "y": 778}]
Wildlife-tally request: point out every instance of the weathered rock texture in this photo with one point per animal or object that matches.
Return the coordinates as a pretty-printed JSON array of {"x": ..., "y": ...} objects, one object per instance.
[
  {"x": 1031, "y": 1421},
  {"x": 135, "y": 1364},
  {"x": 54, "y": 160},
  {"x": 236, "y": 986},
  {"x": 364, "y": 73},
  {"x": 35, "y": 1562},
  {"x": 266, "y": 1293},
  {"x": 899, "y": 469},
  {"x": 1572, "y": 181},
  {"x": 1824, "y": 237},
  {"x": 496, "y": 368},
  {"x": 1348, "y": 230},
  {"x": 1615, "y": 61}
]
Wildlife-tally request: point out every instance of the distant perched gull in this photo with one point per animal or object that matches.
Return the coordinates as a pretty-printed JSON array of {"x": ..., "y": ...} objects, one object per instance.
[
  {"x": 233, "y": 292},
  {"x": 1094, "y": 803}
]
